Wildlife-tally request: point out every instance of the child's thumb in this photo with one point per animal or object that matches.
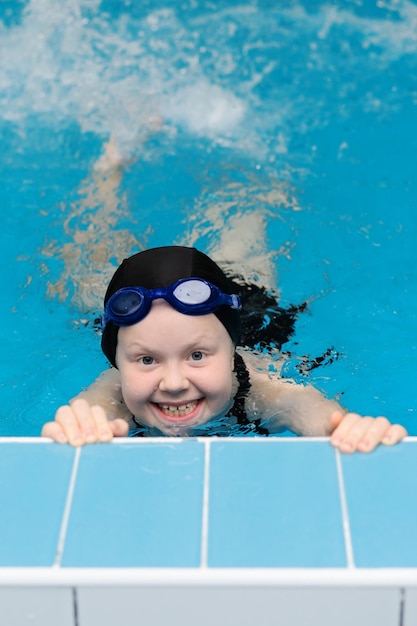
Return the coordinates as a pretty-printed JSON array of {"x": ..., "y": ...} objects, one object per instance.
[
  {"x": 335, "y": 419},
  {"x": 120, "y": 427}
]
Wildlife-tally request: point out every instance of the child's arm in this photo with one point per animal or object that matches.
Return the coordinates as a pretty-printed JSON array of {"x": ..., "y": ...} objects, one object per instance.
[
  {"x": 106, "y": 392},
  {"x": 97, "y": 414},
  {"x": 305, "y": 411}
]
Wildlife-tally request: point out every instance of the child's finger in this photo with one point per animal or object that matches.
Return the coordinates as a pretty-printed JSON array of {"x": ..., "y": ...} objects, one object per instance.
[
  {"x": 86, "y": 420},
  {"x": 54, "y": 431},
  {"x": 77, "y": 422},
  {"x": 107, "y": 429},
  {"x": 358, "y": 434},
  {"x": 335, "y": 419},
  {"x": 343, "y": 425},
  {"x": 394, "y": 434},
  {"x": 68, "y": 421},
  {"x": 350, "y": 432},
  {"x": 119, "y": 427},
  {"x": 374, "y": 434},
  {"x": 103, "y": 428},
  {"x": 365, "y": 433}
]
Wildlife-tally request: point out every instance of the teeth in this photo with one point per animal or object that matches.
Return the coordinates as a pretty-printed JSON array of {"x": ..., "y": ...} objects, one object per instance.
[{"x": 180, "y": 410}]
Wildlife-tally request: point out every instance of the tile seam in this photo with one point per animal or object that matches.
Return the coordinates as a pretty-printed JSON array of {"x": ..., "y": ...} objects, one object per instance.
[
  {"x": 345, "y": 513},
  {"x": 75, "y": 606},
  {"x": 67, "y": 509},
  {"x": 401, "y": 616}
]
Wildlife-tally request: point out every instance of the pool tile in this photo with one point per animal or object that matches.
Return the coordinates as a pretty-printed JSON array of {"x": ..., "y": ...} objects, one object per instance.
[
  {"x": 410, "y": 607},
  {"x": 274, "y": 504},
  {"x": 381, "y": 493},
  {"x": 242, "y": 605},
  {"x": 34, "y": 480},
  {"x": 137, "y": 506},
  {"x": 34, "y": 606}
]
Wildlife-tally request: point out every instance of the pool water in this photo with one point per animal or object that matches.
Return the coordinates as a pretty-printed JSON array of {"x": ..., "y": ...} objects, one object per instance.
[{"x": 278, "y": 136}]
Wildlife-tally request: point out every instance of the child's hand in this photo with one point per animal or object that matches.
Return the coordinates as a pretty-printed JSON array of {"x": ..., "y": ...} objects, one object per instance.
[
  {"x": 80, "y": 423},
  {"x": 352, "y": 432}
]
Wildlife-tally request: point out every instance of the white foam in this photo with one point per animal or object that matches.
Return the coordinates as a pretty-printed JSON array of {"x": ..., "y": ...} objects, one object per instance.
[
  {"x": 109, "y": 77},
  {"x": 206, "y": 109},
  {"x": 394, "y": 37},
  {"x": 68, "y": 61}
]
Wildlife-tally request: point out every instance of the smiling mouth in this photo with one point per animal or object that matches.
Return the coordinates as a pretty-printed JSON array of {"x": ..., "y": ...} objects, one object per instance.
[{"x": 178, "y": 411}]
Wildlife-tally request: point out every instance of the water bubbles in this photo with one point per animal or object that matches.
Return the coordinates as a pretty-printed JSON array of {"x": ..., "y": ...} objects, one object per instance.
[
  {"x": 206, "y": 109},
  {"x": 239, "y": 77}
]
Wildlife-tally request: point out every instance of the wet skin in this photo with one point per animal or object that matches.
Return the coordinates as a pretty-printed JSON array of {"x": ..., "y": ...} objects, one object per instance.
[
  {"x": 176, "y": 372},
  {"x": 175, "y": 369}
]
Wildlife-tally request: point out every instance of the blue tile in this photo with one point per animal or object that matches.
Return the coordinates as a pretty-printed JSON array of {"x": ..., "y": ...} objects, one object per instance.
[
  {"x": 381, "y": 494},
  {"x": 34, "y": 480},
  {"x": 137, "y": 505},
  {"x": 274, "y": 504}
]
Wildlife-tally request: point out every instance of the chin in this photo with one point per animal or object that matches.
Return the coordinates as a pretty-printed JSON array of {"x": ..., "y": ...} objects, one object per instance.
[{"x": 178, "y": 429}]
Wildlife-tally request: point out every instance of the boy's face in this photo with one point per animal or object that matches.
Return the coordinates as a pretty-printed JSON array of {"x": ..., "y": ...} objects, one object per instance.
[{"x": 175, "y": 369}]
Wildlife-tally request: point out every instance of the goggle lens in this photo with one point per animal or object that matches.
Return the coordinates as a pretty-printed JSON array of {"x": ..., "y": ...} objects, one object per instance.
[
  {"x": 192, "y": 292},
  {"x": 127, "y": 303}
]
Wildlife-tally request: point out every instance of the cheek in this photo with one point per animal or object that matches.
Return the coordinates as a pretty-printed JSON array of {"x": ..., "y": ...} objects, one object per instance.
[
  {"x": 135, "y": 395},
  {"x": 134, "y": 386},
  {"x": 222, "y": 380}
]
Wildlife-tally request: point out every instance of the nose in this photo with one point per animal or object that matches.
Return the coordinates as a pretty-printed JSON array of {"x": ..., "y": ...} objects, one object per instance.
[{"x": 173, "y": 379}]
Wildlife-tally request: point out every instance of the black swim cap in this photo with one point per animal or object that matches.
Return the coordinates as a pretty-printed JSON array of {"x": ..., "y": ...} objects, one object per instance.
[{"x": 160, "y": 267}]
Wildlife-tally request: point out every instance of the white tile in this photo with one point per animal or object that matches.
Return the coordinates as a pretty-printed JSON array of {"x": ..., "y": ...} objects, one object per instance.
[
  {"x": 245, "y": 606},
  {"x": 410, "y": 607},
  {"x": 35, "y": 606}
]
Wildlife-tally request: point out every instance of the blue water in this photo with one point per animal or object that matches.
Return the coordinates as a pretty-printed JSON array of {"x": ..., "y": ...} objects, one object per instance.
[{"x": 300, "y": 115}]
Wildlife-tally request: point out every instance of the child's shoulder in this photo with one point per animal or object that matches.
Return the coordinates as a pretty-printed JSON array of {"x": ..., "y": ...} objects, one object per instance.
[
  {"x": 106, "y": 391},
  {"x": 261, "y": 367}
]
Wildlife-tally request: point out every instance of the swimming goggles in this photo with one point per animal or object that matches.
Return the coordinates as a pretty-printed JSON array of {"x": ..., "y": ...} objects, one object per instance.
[{"x": 192, "y": 296}]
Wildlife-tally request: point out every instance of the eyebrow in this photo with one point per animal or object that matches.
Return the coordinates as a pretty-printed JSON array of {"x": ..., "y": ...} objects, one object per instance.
[
  {"x": 199, "y": 340},
  {"x": 137, "y": 345}
]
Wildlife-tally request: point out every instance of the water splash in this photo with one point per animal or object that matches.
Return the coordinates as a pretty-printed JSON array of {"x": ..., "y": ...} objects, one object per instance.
[
  {"x": 232, "y": 225},
  {"x": 113, "y": 75},
  {"x": 226, "y": 76},
  {"x": 112, "y": 78}
]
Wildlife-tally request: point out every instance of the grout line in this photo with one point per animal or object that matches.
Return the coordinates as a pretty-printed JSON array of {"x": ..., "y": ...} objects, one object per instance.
[
  {"x": 205, "y": 512},
  {"x": 402, "y": 606},
  {"x": 67, "y": 509},
  {"x": 256, "y": 439},
  {"x": 75, "y": 606},
  {"x": 345, "y": 514}
]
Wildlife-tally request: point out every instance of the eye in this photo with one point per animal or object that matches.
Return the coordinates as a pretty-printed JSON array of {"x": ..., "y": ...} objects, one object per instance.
[
  {"x": 197, "y": 355},
  {"x": 146, "y": 360}
]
